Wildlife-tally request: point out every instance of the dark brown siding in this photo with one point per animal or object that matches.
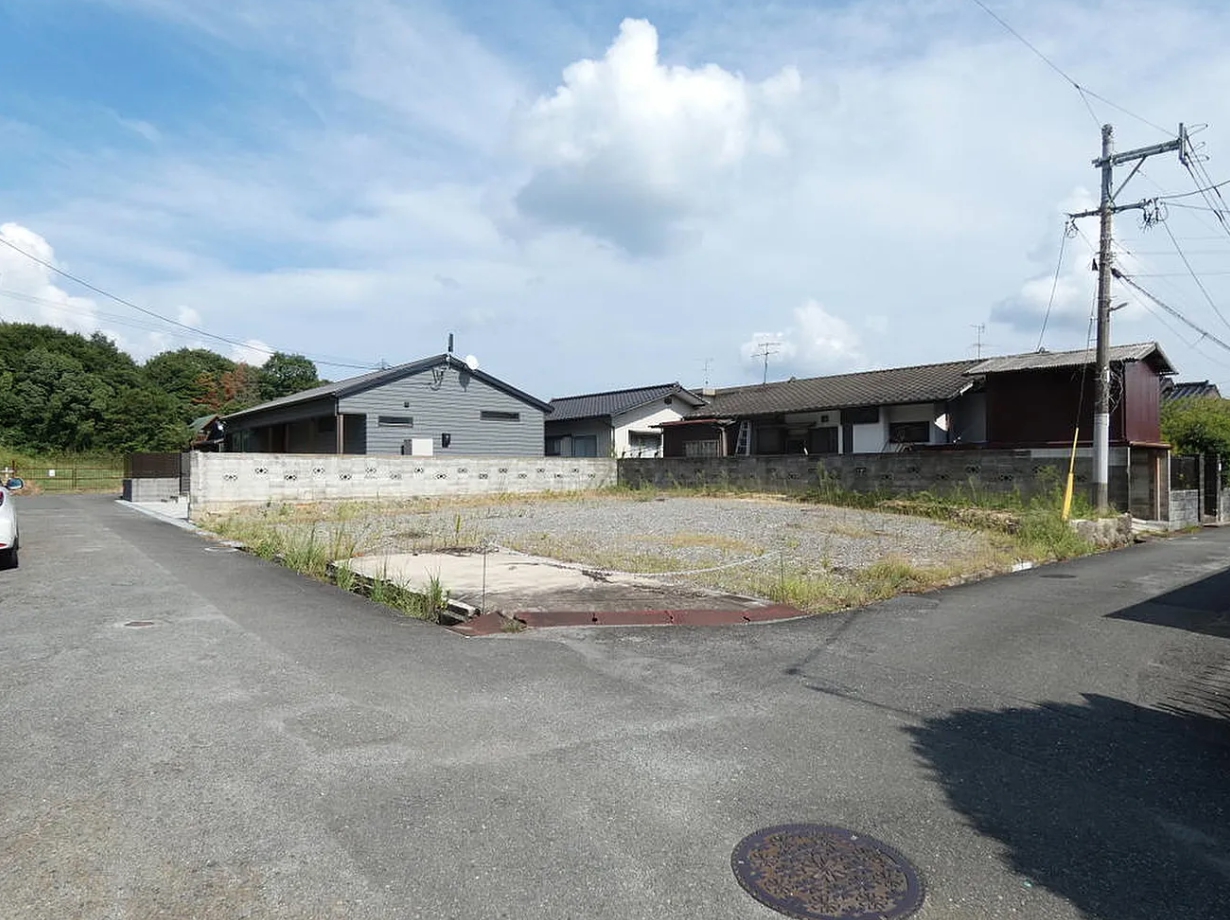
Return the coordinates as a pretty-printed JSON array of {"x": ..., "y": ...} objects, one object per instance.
[
  {"x": 1142, "y": 402},
  {"x": 1040, "y": 406}
]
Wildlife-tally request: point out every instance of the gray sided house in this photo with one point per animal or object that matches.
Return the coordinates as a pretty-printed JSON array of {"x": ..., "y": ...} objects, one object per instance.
[
  {"x": 435, "y": 406},
  {"x": 617, "y": 423}
]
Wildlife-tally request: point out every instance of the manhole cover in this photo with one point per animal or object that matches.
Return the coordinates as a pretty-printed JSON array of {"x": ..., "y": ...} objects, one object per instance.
[
  {"x": 826, "y": 873},
  {"x": 138, "y": 624}
]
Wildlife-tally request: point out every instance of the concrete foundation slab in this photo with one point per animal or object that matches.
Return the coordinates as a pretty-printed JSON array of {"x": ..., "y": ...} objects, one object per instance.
[{"x": 514, "y": 583}]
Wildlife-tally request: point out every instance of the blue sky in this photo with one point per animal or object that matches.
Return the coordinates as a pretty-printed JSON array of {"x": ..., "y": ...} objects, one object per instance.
[{"x": 594, "y": 195}]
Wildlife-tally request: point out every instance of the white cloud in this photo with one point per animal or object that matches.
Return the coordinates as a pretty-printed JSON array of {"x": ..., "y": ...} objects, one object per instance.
[
  {"x": 630, "y": 150},
  {"x": 253, "y": 352},
  {"x": 816, "y": 343},
  {"x": 27, "y": 293}
]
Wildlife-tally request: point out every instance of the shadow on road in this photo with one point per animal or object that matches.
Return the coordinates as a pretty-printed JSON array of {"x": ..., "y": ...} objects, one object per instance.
[
  {"x": 1203, "y": 607},
  {"x": 1122, "y": 811}
]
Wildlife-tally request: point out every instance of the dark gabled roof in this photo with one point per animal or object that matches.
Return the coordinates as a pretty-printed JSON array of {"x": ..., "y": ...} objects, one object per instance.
[
  {"x": 898, "y": 385},
  {"x": 1043, "y": 360},
  {"x": 1200, "y": 389},
  {"x": 617, "y": 402},
  {"x": 353, "y": 385}
]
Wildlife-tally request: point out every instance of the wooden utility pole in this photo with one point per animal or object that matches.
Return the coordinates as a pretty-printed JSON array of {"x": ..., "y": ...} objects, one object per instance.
[
  {"x": 1101, "y": 384},
  {"x": 1106, "y": 211}
]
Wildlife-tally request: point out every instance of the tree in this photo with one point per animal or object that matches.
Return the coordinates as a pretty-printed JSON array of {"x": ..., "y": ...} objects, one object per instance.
[
  {"x": 54, "y": 404},
  {"x": 189, "y": 375},
  {"x": 1198, "y": 425},
  {"x": 284, "y": 374}
]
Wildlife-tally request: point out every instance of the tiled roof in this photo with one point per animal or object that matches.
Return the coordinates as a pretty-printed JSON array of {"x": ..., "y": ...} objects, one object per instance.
[
  {"x": 1196, "y": 388},
  {"x": 921, "y": 384},
  {"x": 616, "y": 402},
  {"x": 1041, "y": 360},
  {"x": 358, "y": 384}
]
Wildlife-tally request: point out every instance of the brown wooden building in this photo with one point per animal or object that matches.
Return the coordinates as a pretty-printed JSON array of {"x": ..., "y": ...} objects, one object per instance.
[{"x": 1039, "y": 399}]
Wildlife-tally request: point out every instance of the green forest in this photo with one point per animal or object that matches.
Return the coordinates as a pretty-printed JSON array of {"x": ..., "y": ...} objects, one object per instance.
[{"x": 61, "y": 392}]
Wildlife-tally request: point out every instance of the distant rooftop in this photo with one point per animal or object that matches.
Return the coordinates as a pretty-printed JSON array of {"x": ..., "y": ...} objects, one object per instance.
[
  {"x": 919, "y": 384},
  {"x": 617, "y": 402},
  {"x": 1192, "y": 389}
]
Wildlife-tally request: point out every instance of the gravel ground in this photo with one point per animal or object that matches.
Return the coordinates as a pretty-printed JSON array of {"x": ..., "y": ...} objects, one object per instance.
[{"x": 751, "y": 540}]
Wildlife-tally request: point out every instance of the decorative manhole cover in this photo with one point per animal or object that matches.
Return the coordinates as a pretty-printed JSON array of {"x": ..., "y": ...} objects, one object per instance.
[
  {"x": 814, "y": 872},
  {"x": 138, "y": 624}
]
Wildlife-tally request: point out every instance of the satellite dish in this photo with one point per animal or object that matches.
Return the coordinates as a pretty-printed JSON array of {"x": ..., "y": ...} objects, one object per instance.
[{"x": 472, "y": 362}]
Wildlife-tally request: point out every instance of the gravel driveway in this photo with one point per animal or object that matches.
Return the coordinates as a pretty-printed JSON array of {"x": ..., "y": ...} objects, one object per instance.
[{"x": 757, "y": 546}]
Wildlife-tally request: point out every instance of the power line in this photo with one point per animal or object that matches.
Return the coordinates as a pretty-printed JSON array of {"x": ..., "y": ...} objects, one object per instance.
[
  {"x": 1084, "y": 93},
  {"x": 1195, "y": 277},
  {"x": 1063, "y": 242},
  {"x": 159, "y": 316},
  {"x": 1169, "y": 309}
]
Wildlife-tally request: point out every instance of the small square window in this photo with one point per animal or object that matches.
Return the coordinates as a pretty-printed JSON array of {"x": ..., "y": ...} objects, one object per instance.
[{"x": 395, "y": 421}]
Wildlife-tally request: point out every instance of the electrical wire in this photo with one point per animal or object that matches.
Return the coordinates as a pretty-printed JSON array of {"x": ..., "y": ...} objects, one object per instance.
[
  {"x": 1126, "y": 279},
  {"x": 1195, "y": 277},
  {"x": 1084, "y": 93},
  {"x": 166, "y": 319},
  {"x": 1063, "y": 242}
]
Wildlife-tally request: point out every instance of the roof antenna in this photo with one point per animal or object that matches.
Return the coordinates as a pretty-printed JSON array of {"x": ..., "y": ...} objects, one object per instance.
[{"x": 450, "y": 343}]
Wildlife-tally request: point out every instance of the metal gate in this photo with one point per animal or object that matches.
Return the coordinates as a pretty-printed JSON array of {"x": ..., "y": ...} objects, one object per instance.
[{"x": 1212, "y": 485}]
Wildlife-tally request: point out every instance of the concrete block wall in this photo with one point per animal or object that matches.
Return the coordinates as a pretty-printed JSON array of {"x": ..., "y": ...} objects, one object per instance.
[
  {"x": 151, "y": 490},
  {"x": 901, "y": 473},
  {"x": 1224, "y": 506},
  {"x": 223, "y": 480},
  {"x": 1184, "y": 508}
]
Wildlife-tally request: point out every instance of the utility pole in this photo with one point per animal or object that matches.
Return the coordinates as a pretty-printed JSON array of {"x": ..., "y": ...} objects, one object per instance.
[{"x": 1106, "y": 211}]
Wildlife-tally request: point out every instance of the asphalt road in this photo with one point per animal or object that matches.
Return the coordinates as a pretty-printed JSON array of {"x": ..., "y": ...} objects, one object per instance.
[{"x": 1053, "y": 744}]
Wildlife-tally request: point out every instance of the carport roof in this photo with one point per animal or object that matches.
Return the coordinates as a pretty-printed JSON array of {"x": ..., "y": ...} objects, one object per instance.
[{"x": 359, "y": 384}]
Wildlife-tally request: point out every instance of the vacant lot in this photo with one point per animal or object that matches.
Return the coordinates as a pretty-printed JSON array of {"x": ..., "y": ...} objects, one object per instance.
[{"x": 816, "y": 557}]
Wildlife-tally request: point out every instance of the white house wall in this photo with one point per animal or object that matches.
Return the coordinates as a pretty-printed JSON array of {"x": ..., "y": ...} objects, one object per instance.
[{"x": 643, "y": 419}]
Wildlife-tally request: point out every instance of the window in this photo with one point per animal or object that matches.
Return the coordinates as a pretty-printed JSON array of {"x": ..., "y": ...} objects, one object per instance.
[
  {"x": 822, "y": 440},
  {"x": 864, "y": 415},
  {"x": 585, "y": 445},
  {"x": 395, "y": 421},
  {"x": 700, "y": 448},
  {"x": 644, "y": 443},
  {"x": 909, "y": 432},
  {"x": 490, "y": 415},
  {"x": 553, "y": 447}
]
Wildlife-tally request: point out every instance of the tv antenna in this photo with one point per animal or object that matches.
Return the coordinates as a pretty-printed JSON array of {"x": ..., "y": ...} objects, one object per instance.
[
  {"x": 979, "y": 329},
  {"x": 707, "y": 363},
  {"x": 764, "y": 350}
]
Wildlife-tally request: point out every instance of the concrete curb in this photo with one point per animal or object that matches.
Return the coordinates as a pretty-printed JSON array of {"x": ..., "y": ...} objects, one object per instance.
[{"x": 181, "y": 523}]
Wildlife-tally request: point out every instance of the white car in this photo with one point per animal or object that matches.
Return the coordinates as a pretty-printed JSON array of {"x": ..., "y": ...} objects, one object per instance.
[{"x": 8, "y": 523}]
